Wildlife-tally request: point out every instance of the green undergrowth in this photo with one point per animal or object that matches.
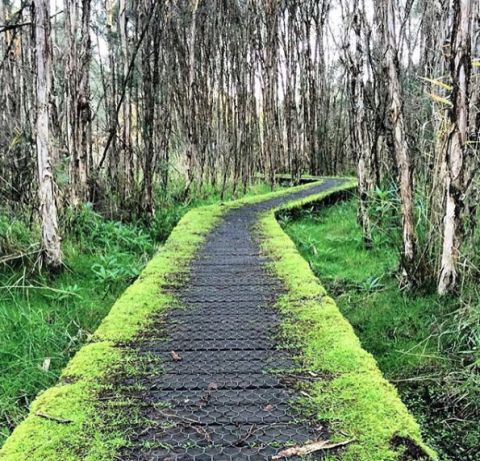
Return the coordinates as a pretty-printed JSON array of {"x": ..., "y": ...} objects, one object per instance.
[
  {"x": 44, "y": 319},
  {"x": 412, "y": 336},
  {"x": 352, "y": 398},
  {"x": 84, "y": 436}
]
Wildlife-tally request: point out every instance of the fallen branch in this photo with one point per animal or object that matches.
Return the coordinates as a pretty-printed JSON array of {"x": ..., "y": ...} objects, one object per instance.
[
  {"x": 309, "y": 448},
  {"x": 53, "y": 418}
]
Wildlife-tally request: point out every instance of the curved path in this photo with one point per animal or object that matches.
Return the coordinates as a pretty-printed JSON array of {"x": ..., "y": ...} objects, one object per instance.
[{"x": 221, "y": 392}]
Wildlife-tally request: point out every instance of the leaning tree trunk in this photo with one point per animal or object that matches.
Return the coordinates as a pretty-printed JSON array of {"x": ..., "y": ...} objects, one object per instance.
[
  {"x": 46, "y": 191},
  {"x": 400, "y": 147},
  {"x": 454, "y": 159}
]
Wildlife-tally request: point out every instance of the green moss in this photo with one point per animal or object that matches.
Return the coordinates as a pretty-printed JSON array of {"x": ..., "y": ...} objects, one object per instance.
[
  {"x": 44, "y": 438},
  {"x": 354, "y": 398}
]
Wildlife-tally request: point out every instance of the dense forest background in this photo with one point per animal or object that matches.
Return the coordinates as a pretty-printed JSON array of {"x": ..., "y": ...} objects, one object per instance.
[{"x": 116, "y": 116}]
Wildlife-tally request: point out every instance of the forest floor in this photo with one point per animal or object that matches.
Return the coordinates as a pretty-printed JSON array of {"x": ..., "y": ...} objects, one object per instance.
[
  {"x": 45, "y": 319},
  {"x": 414, "y": 337}
]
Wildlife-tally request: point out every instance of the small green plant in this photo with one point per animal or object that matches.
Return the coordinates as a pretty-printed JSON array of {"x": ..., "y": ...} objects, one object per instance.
[{"x": 110, "y": 270}]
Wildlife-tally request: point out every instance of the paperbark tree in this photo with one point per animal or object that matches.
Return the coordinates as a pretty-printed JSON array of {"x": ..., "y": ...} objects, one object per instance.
[
  {"x": 46, "y": 188},
  {"x": 126, "y": 159},
  {"x": 78, "y": 109},
  {"x": 361, "y": 139},
  {"x": 455, "y": 151},
  {"x": 400, "y": 147}
]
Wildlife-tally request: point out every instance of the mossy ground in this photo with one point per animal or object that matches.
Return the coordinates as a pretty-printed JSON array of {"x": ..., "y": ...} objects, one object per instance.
[{"x": 408, "y": 334}]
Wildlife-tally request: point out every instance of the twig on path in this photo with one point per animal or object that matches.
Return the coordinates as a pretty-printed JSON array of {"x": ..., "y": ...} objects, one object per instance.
[
  {"x": 53, "y": 418},
  {"x": 309, "y": 448},
  {"x": 241, "y": 441}
]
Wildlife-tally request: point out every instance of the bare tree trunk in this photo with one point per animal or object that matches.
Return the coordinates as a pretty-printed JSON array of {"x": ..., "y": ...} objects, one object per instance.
[
  {"x": 361, "y": 138},
  {"x": 126, "y": 148},
  {"x": 192, "y": 148},
  {"x": 46, "y": 189},
  {"x": 78, "y": 97},
  {"x": 460, "y": 69},
  {"x": 400, "y": 147}
]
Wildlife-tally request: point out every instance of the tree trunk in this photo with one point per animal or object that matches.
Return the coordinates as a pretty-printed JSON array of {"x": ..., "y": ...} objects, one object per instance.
[
  {"x": 127, "y": 168},
  {"x": 400, "y": 148},
  {"x": 460, "y": 69},
  {"x": 192, "y": 148},
  {"x": 46, "y": 188},
  {"x": 78, "y": 98},
  {"x": 361, "y": 138}
]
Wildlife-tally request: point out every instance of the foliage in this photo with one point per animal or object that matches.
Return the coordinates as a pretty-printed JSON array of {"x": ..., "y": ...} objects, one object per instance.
[{"x": 18, "y": 242}]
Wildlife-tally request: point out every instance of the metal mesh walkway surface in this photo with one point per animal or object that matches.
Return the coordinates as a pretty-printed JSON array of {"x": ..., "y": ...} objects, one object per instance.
[{"x": 221, "y": 391}]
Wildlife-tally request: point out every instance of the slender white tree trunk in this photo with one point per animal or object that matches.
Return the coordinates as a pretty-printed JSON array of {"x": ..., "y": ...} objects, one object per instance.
[
  {"x": 361, "y": 131},
  {"x": 460, "y": 69},
  {"x": 46, "y": 191},
  {"x": 127, "y": 159}
]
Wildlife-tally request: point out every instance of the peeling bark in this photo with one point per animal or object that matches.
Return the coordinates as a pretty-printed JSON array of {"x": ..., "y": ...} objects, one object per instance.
[
  {"x": 455, "y": 151},
  {"x": 46, "y": 188},
  {"x": 400, "y": 147}
]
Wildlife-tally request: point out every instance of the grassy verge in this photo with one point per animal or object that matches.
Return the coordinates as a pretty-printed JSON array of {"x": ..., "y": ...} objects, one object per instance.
[{"x": 412, "y": 337}]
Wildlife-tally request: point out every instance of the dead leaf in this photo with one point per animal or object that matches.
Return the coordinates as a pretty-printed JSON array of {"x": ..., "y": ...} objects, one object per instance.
[
  {"x": 268, "y": 408},
  {"x": 309, "y": 448},
  {"x": 175, "y": 356},
  {"x": 212, "y": 386}
]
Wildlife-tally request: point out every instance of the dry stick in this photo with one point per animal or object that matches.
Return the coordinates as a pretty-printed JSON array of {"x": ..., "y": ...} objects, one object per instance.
[
  {"x": 310, "y": 448},
  {"x": 239, "y": 442},
  {"x": 53, "y": 418}
]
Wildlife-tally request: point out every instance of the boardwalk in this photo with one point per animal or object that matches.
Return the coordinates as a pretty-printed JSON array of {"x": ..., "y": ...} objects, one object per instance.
[{"x": 227, "y": 398}]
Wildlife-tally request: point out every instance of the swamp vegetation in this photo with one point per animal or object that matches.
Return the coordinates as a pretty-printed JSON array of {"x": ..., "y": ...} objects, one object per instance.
[{"x": 119, "y": 116}]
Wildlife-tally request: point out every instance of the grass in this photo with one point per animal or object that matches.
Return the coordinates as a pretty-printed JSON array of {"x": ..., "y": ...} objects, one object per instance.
[
  {"x": 45, "y": 319},
  {"x": 411, "y": 336}
]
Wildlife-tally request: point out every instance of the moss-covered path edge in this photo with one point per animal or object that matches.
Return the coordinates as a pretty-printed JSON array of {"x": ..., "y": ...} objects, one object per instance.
[{"x": 66, "y": 422}]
